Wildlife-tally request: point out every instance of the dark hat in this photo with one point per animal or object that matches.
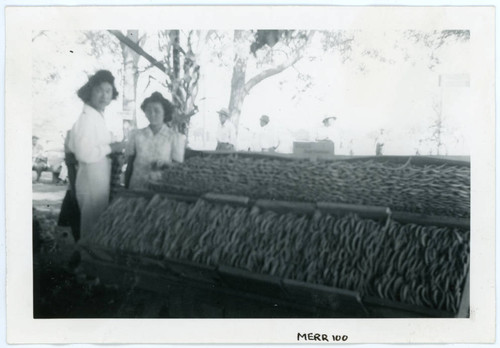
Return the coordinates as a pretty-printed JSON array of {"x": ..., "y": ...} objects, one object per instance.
[
  {"x": 95, "y": 80},
  {"x": 328, "y": 118},
  {"x": 264, "y": 118},
  {"x": 157, "y": 97},
  {"x": 102, "y": 76}
]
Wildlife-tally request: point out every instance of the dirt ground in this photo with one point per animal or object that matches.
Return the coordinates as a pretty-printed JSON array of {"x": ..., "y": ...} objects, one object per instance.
[
  {"x": 48, "y": 197},
  {"x": 61, "y": 288}
]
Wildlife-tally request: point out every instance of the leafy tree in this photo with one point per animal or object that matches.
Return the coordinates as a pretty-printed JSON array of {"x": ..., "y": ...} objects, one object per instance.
[
  {"x": 273, "y": 59},
  {"x": 437, "y": 126},
  {"x": 433, "y": 41}
]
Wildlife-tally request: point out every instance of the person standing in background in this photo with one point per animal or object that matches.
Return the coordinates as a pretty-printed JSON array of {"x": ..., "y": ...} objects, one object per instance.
[
  {"x": 226, "y": 132},
  {"x": 379, "y": 143},
  {"x": 39, "y": 160},
  {"x": 268, "y": 137},
  {"x": 418, "y": 147},
  {"x": 329, "y": 133},
  {"x": 91, "y": 142}
]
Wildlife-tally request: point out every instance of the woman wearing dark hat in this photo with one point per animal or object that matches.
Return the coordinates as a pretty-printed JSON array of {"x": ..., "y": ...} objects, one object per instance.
[
  {"x": 155, "y": 145},
  {"x": 90, "y": 142}
]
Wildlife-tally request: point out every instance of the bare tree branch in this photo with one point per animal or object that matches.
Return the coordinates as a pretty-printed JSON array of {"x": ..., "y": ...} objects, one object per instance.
[
  {"x": 140, "y": 71},
  {"x": 268, "y": 73},
  {"x": 135, "y": 47},
  {"x": 41, "y": 33},
  {"x": 281, "y": 67}
]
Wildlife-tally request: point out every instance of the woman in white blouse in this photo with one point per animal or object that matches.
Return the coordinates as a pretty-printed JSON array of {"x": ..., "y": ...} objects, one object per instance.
[
  {"x": 90, "y": 142},
  {"x": 155, "y": 145}
]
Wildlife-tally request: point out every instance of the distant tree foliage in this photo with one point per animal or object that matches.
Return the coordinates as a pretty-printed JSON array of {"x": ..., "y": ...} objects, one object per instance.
[{"x": 434, "y": 40}]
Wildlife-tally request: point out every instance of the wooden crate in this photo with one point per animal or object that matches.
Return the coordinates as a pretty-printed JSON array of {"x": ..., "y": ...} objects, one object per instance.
[
  {"x": 297, "y": 298},
  {"x": 301, "y": 298}
]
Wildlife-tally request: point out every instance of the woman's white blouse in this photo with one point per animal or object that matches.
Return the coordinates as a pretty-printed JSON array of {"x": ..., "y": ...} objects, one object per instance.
[
  {"x": 148, "y": 148},
  {"x": 90, "y": 137}
]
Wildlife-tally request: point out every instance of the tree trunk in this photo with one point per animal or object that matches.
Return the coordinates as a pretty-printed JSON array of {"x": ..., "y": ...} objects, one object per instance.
[
  {"x": 238, "y": 92},
  {"x": 176, "y": 69},
  {"x": 176, "y": 53},
  {"x": 130, "y": 77},
  {"x": 239, "y": 86},
  {"x": 177, "y": 93},
  {"x": 137, "y": 49}
]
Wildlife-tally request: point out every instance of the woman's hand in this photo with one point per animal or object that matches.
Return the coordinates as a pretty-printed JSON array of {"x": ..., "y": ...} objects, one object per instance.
[
  {"x": 157, "y": 165},
  {"x": 161, "y": 164},
  {"x": 117, "y": 146}
]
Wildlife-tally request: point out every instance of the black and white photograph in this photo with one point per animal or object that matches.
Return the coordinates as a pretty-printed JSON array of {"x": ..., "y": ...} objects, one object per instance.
[{"x": 255, "y": 171}]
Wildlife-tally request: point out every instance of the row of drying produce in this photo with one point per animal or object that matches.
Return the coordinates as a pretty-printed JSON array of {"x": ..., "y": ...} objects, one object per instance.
[
  {"x": 408, "y": 263},
  {"x": 412, "y": 186}
]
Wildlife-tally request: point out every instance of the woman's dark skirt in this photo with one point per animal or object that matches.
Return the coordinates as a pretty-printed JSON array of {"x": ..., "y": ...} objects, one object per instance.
[{"x": 70, "y": 214}]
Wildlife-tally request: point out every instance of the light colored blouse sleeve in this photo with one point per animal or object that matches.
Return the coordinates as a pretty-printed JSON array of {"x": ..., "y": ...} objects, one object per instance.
[{"x": 89, "y": 141}]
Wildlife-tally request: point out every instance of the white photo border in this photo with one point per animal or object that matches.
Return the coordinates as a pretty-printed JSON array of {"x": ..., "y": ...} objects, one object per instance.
[{"x": 22, "y": 328}]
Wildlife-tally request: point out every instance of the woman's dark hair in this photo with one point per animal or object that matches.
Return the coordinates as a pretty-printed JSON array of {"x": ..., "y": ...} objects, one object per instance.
[
  {"x": 168, "y": 107},
  {"x": 95, "y": 80}
]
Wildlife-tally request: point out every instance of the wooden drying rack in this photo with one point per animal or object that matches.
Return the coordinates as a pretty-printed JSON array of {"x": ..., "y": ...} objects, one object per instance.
[{"x": 159, "y": 274}]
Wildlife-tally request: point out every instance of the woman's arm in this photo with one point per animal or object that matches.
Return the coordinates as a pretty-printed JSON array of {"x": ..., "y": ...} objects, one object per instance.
[{"x": 86, "y": 140}]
